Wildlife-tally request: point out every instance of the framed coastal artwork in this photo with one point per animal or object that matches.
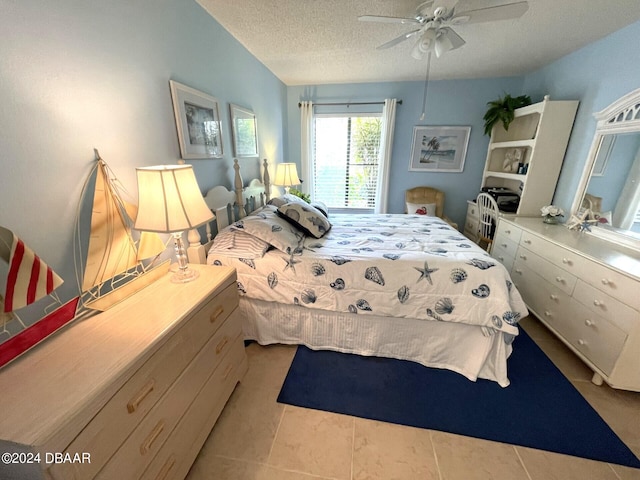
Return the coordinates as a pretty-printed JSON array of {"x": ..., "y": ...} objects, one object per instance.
[
  {"x": 244, "y": 131},
  {"x": 197, "y": 122},
  {"x": 439, "y": 149}
]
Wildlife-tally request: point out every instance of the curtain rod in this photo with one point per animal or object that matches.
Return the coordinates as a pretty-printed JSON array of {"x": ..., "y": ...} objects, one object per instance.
[{"x": 399, "y": 102}]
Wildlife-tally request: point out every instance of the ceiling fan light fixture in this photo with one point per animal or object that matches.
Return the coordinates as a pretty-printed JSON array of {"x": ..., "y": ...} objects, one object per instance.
[{"x": 442, "y": 44}]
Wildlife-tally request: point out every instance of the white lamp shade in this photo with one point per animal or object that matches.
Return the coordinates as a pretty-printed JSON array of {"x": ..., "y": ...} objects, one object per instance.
[
  {"x": 169, "y": 199},
  {"x": 286, "y": 175}
]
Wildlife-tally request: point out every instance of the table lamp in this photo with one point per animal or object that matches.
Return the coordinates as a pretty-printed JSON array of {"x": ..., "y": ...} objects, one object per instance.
[
  {"x": 286, "y": 176},
  {"x": 169, "y": 201}
]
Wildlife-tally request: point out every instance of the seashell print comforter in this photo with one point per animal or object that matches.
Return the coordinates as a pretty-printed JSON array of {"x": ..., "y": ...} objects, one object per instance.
[{"x": 390, "y": 265}]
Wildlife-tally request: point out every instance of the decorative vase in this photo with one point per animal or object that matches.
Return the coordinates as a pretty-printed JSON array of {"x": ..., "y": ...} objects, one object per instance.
[{"x": 550, "y": 220}]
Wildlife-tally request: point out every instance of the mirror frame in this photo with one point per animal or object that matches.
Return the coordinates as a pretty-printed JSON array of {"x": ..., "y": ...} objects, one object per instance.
[
  {"x": 237, "y": 113},
  {"x": 622, "y": 116}
]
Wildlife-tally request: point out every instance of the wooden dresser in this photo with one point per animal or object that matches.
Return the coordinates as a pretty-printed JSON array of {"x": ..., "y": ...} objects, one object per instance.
[
  {"x": 584, "y": 289},
  {"x": 129, "y": 393}
]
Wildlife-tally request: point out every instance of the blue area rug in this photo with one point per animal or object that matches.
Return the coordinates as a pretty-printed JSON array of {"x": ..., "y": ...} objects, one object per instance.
[{"x": 540, "y": 409}]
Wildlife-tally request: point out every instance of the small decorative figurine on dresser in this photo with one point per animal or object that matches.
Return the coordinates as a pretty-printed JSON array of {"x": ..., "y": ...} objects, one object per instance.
[{"x": 550, "y": 214}]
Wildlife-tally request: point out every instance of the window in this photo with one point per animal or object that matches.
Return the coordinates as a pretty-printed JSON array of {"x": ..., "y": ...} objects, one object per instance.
[{"x": 346, "y": 156}]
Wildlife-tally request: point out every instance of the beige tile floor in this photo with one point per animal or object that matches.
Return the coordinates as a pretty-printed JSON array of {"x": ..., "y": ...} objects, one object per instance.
[{"x": 259, "y": 439}]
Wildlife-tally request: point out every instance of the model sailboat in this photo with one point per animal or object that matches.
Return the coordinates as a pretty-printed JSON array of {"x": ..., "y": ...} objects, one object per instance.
[
  {"x": 28, "y": 280},
  {"x": 115, "y": 267}
]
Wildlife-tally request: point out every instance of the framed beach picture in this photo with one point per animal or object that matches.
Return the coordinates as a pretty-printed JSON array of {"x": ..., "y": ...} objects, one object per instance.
[
  {"x": 439, "y": 149},
  {"x": 197, "y": 122},
  {"x": 244, "y": 131}
]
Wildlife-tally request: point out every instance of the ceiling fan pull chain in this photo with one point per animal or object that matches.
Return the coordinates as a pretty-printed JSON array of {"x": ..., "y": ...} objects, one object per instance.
[{"x": 426, "y": 84}]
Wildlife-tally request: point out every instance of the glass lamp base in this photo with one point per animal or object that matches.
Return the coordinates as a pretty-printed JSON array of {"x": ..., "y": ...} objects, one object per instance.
[{"x": 184, "y": 276}]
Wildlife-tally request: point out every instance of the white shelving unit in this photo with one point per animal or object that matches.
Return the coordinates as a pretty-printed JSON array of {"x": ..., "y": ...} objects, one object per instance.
[{"x": 541, "y": 133}]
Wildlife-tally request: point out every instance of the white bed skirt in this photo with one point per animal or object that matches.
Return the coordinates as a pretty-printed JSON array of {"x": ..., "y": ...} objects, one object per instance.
[{"x": 453, "y": 346}]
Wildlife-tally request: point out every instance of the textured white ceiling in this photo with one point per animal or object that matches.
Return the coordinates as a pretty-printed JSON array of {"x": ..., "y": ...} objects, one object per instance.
[{"x": 306, "y": 42}]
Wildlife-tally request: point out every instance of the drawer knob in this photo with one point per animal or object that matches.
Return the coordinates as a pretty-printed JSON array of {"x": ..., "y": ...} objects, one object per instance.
[
  {"x": 581, "y": 342},
  {"x": 528, "y": 242},
  {"x": 553, "y": 297},
  {"x": 566, "y": 261},
  {"x": 135, "y": 402},
  {"x": 560, "y": 280},
  {"x": 222, "y": 344},
  {"x": 523, "y": 257},
  {"x": 503, "y": 245},
  {"x": 501, "y": 258},
  {"x": 166, "y": 468},
  {"x": 508, "y": 232},
  {"x": 152, "y": 437},
  {"x": 598, "y": 303},
  {"x": 518, "y": 271},
  {"x": 606, "y": 281},
  {"x": 216, "y": 313},
  {"x": 588, "y": 322},
  {"x": 547, "y": 313}
]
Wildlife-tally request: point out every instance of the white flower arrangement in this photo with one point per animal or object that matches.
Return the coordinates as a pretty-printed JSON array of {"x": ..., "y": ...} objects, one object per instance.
[{"x": 552, "y": 211}]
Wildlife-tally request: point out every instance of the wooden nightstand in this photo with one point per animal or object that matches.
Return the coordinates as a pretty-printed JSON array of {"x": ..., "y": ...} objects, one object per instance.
[{"x": 136, "y": 388}]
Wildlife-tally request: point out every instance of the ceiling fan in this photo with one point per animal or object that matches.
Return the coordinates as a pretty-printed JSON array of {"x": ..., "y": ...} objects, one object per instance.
[{"x": 435, "y": 18}]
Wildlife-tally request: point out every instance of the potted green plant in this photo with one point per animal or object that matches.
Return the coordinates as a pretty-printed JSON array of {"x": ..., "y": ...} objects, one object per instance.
[
  {"x": 503, "y": 110},
  {"x": 304, "y": 196}
]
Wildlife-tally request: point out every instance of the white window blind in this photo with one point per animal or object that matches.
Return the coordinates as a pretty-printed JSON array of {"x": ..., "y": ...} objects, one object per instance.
[{"x": 346, "y": 155}]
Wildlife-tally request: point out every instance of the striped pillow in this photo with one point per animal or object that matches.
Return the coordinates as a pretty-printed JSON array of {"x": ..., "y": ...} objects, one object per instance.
[{"x": 238, "y": 244}]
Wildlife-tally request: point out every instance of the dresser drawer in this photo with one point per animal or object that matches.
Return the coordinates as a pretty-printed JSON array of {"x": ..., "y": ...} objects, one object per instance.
[
  {"x": 547, "y": 301},
  {"x": 176, "y": 456},
  {"x": 115, "y": 421},
  {"x": 547, "y": 270},
  {"x": 609, "y": 281},
  {"x": 608, "y": 307},
  {"x": 142, "y": 445},
  {"x": 472, "y": 211},
  {"x": 592, "y": 335},
  {"x": 509, "y": 231},
  {"x": 503, "y": 247}
]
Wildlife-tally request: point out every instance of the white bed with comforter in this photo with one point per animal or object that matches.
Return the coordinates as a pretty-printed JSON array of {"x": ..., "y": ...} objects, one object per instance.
[{"x": 400, "y": 286}]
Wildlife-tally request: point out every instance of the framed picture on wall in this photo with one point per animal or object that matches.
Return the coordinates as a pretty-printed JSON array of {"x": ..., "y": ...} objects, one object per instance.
[
  {"x": 197, "y": 122},
  {"x": 244, "y": 131},
  {"x": 439, "y": 149}
]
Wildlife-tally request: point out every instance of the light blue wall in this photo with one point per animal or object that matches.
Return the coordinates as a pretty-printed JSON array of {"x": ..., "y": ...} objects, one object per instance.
[
  {"x": 597, "y": 75},
  {"x": 75, "y": 75},
  {"x": 451, "y": 103}
]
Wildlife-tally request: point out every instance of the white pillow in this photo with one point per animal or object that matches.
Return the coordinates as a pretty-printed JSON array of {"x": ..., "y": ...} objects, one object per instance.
[
  {"x": 266, "y": 225},
  {"x": 428, "y": 209}
]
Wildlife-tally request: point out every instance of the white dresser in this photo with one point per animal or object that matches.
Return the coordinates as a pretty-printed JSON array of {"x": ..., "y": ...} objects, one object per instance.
[
  {"x": 584, "y": 289},
  {"x": 130, "y": 393}
]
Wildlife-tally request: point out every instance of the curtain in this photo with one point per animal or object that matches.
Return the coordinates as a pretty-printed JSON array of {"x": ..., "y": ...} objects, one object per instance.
[
  {"x": 384, "y": 161},
  {"x": 306, "y": 147}
]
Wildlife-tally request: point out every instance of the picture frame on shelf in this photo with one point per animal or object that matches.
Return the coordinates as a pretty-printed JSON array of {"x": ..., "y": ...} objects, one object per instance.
[
  {"x": 197, "y": 122},
  {"x": 244, "y": 130},
  {"x": 439, "y": 148}
]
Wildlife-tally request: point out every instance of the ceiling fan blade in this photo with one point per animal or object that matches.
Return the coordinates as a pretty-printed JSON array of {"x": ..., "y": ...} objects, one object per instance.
[
  {"x": 490, "y": 14},
  {"x": 381, "y": 19},
  {"x": 397, "y": 40}
]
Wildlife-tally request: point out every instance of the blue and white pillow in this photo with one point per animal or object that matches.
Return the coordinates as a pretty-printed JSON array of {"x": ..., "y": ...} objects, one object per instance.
[{"x": 305, "y": 217}]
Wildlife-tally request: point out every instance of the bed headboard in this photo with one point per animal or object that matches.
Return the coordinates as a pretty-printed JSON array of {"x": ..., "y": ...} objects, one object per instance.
[{"x": 228, "y": 207}]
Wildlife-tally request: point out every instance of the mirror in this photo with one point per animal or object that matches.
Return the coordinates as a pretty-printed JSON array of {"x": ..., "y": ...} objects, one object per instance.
[
  {"x": 610, "y": 185},
  {"x": 244, "y": 131}
]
